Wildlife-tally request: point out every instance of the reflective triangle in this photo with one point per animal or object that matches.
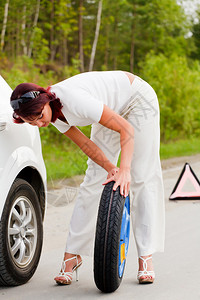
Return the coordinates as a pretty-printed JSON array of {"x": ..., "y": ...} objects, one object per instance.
[{"x": 187, "y": 186}]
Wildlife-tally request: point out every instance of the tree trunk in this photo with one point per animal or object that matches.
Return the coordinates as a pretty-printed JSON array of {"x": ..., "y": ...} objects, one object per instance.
[
  {"x": 4, "y": 24},
  {"x": 132, "y": 52},
  {"x": 52, "y": 48},
  {"x": 18, "y": 31},
  {"x": 96, "y": 35},
  {"x": 107, "y": 47},
  {"x": 115, "y": 42},
  {"x": 65, "y": 51},
  {"x": 23, "y": 31},
  {"x": 80, "y": 26},
  {"x": 132, "y": 49},
  {"x": 34, "y": 25}
]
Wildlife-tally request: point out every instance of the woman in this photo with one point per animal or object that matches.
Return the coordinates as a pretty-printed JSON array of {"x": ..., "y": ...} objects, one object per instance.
[{"x": 124, "y": 113}]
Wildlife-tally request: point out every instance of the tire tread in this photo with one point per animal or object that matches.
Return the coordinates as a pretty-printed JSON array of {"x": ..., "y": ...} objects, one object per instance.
[{"x": 107, "y": 239}]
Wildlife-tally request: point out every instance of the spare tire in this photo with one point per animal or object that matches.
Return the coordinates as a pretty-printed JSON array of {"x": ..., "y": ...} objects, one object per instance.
[{"x": 112, "y": 239}]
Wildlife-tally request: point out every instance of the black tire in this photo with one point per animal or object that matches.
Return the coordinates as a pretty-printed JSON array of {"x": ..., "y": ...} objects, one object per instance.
[
  {"x": 107, "y": 240},
  {"x": 21, "y": 245}
]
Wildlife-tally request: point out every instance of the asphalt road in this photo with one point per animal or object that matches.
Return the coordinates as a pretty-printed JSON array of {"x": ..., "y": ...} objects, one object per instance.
[{"x": 177, "y": 269}]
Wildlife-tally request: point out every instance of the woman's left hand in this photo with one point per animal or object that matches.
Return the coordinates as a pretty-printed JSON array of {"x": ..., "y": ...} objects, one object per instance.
[
  {"x": 112, "y": 172},
  {"x": 122, "y": 178}
]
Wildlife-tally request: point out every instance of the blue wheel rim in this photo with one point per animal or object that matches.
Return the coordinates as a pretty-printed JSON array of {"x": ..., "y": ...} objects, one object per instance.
[{"x": 124, "y": 236}]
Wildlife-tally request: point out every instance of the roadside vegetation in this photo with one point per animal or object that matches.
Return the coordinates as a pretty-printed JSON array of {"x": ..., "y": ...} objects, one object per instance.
[
  {"x": 48, "y": 41},
  {"x": 63, "y": 159}
]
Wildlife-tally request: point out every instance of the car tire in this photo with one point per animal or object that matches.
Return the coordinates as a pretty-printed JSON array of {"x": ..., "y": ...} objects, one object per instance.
[
  {"x": 21, "y": 234},
  {"x": 112, "y": 239}
]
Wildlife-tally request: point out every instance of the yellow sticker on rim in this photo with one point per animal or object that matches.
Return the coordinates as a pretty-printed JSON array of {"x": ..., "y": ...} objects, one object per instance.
[{"x": 122, "y": 252}]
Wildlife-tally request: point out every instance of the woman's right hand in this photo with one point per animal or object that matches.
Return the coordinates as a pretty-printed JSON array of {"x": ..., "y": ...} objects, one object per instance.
[{"x": 122, "y": 178}]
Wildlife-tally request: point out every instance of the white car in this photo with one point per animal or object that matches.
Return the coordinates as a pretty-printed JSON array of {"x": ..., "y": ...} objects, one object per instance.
[{"x": 22, "y": 195}]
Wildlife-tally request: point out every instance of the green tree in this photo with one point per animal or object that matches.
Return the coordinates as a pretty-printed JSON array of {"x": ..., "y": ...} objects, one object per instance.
[
  {"x": 195, "y": 39},
  {"x": 178, "y": 90},
  {"x": 159, "y": 26}
]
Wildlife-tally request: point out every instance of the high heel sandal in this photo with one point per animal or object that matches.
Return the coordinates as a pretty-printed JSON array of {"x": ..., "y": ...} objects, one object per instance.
[
  {"x": 150, "y": 275},
  {"x": 66, "y": 277}
]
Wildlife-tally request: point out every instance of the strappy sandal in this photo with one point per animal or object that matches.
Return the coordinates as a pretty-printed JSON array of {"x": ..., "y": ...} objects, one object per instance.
[
  {"x": 66, "y": 277},
  {"x": 149, "y": 275}
]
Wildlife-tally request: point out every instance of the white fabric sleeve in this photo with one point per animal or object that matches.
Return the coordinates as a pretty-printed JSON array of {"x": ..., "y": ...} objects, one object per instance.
[
  {"x": 61, "y": 126},
  {"x": 85, "y": 108},
  {"x": 80, "y": 108}
]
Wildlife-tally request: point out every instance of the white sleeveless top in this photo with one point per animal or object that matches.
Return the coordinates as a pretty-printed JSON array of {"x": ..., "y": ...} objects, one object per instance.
[{"x": 84, "y": 95}]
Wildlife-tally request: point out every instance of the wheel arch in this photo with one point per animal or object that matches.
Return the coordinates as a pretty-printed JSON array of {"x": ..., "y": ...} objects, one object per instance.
[{"x": 33, "y": 177}]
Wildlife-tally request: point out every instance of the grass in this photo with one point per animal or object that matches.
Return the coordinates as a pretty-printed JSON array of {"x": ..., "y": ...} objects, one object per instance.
[
  {"x": 61, "y": 163},
  {"x": 180, "y": 148},
  {"x": 64, "y": 159}
]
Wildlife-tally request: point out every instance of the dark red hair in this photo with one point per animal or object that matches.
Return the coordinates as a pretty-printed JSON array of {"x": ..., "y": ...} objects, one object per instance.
[{"x": 34, "y": 107}]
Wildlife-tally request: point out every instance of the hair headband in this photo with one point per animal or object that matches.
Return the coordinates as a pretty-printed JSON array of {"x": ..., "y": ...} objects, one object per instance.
[{"x": 23, "y": 99}]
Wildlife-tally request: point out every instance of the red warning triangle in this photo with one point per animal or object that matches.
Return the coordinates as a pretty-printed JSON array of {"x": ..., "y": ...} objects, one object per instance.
[{"x": 187, "y": 186}]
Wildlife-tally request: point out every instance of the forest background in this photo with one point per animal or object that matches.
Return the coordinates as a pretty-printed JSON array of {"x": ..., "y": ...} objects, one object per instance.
[{"x": 47, "y": 41}]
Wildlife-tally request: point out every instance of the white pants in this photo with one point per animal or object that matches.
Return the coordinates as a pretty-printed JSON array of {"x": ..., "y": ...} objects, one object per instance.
[{"x": 147, "y": 205}]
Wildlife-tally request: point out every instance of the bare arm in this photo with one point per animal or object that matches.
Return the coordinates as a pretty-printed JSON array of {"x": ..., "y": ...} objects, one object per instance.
[
  {"x": 89, "y": 148},
  {"x": 112, "y": 120}
]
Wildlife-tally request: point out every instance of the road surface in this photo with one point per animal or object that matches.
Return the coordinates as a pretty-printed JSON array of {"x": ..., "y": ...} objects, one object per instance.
[{"x": 177, "y": 269}]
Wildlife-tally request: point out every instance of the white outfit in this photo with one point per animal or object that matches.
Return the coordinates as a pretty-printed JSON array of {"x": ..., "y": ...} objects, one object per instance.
[{"x": 82, "y": 97}]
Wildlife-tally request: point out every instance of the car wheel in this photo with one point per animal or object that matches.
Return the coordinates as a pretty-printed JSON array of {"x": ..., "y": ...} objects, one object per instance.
[
  {"x": 21, "y": 234},
  {"x": 112, "y": 239}
]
